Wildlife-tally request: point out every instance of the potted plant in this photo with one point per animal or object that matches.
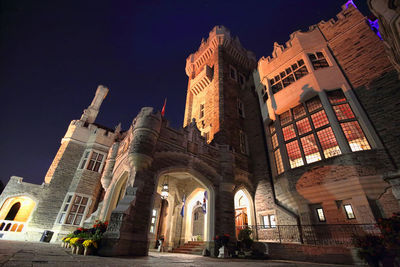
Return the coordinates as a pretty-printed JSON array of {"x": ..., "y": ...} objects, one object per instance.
[
  {"x": 246, "y": 241},
  {"x": 89, "y": 246}
]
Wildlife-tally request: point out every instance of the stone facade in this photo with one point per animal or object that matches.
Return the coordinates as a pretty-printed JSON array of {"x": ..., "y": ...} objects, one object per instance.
[{"x": 276, "y": 134}]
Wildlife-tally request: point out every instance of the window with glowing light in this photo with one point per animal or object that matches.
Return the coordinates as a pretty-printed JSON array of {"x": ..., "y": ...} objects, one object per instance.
[
  {"x": 349, "y": 211},
  {"x": 348, "y": 122},
  {"x": 268, "y": 221},
  {"x": 320, "y": 215},
  {"x": 277, "y": 153},
  {"x": 153, "y": 221},
  {"x": 73, "y": 209},
  {"x": 307, "y": 135}
]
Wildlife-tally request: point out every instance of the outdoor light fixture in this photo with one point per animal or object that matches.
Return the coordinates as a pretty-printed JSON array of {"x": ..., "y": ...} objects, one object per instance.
[{"x": 164, "y": 189}]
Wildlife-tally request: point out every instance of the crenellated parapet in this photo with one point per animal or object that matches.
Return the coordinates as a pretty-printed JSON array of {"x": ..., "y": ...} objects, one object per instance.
[{"x": 218, "y": 36}]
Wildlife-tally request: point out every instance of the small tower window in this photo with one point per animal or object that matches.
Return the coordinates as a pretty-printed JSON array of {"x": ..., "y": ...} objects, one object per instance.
[
  {"x": 201, "y": 115},
  {"x": 232, "y": 72},
  {"x": 320, "y": 215},
  {"x": 349, "y": 211},
  {"x": 243, "y": 145},
  {"x": 240, "y": 108}
]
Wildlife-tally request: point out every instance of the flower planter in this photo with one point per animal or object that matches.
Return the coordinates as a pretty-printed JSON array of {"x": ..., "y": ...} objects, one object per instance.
[
  {"x": 88, "y": 251},
  {"x": 73, "y": 249},
  {"x": 79, "y": 250}
]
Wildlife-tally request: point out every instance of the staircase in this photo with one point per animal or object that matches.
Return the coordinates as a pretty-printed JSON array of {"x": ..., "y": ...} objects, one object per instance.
[{"x": 192, "y": 247}]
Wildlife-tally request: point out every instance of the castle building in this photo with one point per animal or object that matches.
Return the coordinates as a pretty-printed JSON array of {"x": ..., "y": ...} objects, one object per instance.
[{"x": 305, "y": 137}]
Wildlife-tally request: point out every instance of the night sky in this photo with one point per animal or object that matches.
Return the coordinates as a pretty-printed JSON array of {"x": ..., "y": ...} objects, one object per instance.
[{"x": 54, "y": 54}]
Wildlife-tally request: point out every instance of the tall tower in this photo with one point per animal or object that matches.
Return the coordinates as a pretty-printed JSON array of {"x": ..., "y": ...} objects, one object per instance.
[{"x": 219, "y": 73}]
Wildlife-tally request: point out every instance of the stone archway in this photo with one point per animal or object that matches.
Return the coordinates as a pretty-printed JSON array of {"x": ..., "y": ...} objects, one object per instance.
[{"x": 244, "y": 209}]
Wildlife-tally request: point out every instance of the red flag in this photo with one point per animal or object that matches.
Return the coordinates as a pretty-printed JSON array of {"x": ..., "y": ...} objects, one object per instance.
[{"x": 163, "y": 108}]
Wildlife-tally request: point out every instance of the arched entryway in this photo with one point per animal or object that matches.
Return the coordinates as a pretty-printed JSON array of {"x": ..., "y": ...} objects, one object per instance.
[
  {"x": 15, "y": 212},
  {"x": 186, "y": 214},
  {"x": 244, "y": 210}
]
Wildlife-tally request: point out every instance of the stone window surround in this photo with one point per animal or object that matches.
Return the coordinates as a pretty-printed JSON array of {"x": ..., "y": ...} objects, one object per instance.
[
  {"x": 61, "y": 212},
  {"x": 361, "y": 117},
  {"x": 87, "y": 159},
  {"x": 303, "y": 55},
  {"x": 269, "y": 225}
]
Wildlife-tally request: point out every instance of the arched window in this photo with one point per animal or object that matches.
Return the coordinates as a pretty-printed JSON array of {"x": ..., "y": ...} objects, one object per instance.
[{"x": 13, "y": 212}]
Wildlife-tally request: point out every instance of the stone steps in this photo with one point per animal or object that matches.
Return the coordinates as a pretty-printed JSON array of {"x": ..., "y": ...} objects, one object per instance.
[{"x": 192, "y": 247}]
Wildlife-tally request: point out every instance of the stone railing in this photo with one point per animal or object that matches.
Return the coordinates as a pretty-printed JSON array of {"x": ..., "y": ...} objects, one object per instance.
[{"x": 11, "y": 226}]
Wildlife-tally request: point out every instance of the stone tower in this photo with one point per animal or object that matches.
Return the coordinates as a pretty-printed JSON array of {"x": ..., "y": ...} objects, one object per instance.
[{"x": 218, "y": 76}]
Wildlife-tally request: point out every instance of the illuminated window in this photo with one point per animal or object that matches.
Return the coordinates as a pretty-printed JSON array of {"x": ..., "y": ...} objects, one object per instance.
[
  {"x": 318, "y": 60},
  {"x": 320, "y": 215},
  {"x": 307, "y": 134},
  {"x": 268, "y": 221},
  {"x": 288, "y": 132},
  {"x": 92, "y": 161},
  {"x": 285, "y": 117},
  {"x": 328, "y": 142},
  {"x": 355, "y": 136},
  {"x": 153, "y": 220},
  {"x": 278, "y": 161},
  {"x": 319, "y": 119},
  {"x": 73, "y": 210},
  {"x": 348, "y": 122},
  {"x": 201, "y": 115},
  {"x": 288, "y": 76},
  {"x": 349, "y": 211},
  {"x": 310, "y": 148},
  {"x": 274, "y": 141},
  {"x": 294, "y": 154},
  {"x": 303, "y": 126},
  {"x": 240, "y": 108}
]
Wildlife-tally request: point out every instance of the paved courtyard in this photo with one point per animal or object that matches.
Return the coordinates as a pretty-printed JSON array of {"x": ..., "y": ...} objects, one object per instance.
[{"x": 14, "y": 253}]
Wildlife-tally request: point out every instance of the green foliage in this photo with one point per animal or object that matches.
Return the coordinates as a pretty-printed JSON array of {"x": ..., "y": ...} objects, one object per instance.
[{"x": 245, "y": 237}]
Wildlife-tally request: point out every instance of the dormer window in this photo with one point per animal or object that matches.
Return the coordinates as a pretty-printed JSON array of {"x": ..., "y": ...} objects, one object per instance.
[{"x": 318, "y": 60}]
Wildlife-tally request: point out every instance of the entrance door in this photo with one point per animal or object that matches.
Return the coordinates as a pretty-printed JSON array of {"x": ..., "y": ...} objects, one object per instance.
[{"x": 240, "y": 219}]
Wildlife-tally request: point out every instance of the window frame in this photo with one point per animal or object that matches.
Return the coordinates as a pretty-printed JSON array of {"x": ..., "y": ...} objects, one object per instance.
[
  {"x": 66, "y": 207},
  {"x": 268, "y": 218},
  {"x": 347, "y": 213},
  {"x": 202, "y": 108},
  {"x": 323, "y": 214},
  {"x": 322, "y": 60},
  {"x": 87, "y": 158},
  {"x": 152, "y": 231},
  {"x": 277, "y": 82}
]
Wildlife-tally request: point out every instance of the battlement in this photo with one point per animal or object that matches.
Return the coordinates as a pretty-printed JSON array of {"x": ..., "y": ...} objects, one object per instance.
[
  {"x": 328, "y": 28},
  {"x": 219, "y": 36}
]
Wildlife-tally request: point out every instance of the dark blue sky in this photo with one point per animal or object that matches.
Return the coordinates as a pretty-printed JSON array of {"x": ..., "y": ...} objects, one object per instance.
[{"x": 53, "y": 54}]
